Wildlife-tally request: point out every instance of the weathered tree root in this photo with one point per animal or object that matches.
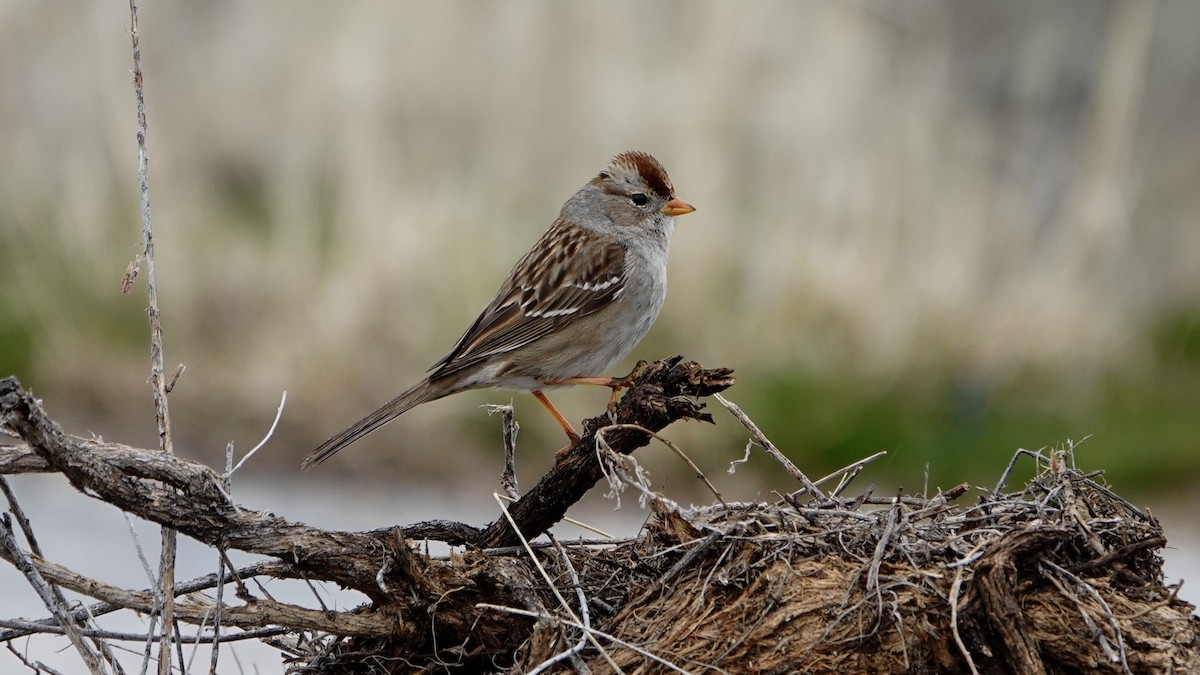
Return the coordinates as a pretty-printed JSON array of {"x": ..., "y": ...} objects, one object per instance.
[
  {"x": 1062, "y": 576},
  {"x": 405, "y": 589}
]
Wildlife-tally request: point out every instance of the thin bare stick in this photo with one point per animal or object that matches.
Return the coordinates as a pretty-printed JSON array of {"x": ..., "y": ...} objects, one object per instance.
[
  {"x": 175, "y": 378},
  {"x": 1037, "y": 456},
  {"x": 141, "y": 554},
  {"x": 270, "y": 432},
  {"x": 773, "y": 451},
  {"x": 19, "y": 514},
  {"x": 258, "y": 613},
  {"x": 591, "y": 632},
  {"x": 577, "y": 523},
  {"x": 572, "y": 652},
  {"x": 885, "y": 539},
  {"x": 156, "y": 357},
  {"x": 674, "y": 448},
  {"x": 1091, "y": 592},
  {"x": 102, "y": 608},
  {"x": 214, "y": 656},
  {"x": 27, "y": 530},
  {"x": 508, "y": 479},
  {"x": 201, "y": 638},
  {"x": 157, "y": 383},
  {"x": 35, "y": 666},
  {"x": 550, "y": 582},
  {"x": 955, "y": 589},
  {"x": 51, "y": 598},
  {"x": 850, "y": 468}
]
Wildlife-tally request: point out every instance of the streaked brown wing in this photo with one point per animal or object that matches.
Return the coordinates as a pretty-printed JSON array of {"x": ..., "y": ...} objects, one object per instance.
[{"x": 568, "y": 274}]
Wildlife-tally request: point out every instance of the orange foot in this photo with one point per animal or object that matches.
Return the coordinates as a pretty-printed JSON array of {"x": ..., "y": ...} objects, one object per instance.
[
  {"x": 562, "y": 422},
  {"x": 614, "y": 383}
]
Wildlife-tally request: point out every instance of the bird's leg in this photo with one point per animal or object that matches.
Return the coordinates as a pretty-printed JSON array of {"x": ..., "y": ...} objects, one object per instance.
[
  {"x": 562, "y": 422},
  {"x": 602, "y": 381},
  {"x": 614, "y": 383}
]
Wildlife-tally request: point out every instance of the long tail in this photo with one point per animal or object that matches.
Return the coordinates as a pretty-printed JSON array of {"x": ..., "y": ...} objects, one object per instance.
[{"x": 419, "y": 393}]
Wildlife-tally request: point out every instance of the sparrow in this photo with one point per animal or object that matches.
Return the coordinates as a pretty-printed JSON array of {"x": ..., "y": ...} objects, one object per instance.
[{"x": 574, "y": 305}]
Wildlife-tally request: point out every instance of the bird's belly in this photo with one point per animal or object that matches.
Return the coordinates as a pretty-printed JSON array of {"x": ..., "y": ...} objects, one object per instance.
[{"x": 591, "y": 351}]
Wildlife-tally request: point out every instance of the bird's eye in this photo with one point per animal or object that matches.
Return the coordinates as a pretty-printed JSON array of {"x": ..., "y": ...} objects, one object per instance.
[{"x": 639, "y": 199}]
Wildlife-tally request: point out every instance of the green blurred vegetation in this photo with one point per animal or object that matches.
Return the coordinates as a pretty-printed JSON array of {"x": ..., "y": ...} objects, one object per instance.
[
  {"x": 1138, "y": 426},
  {"x": 942, "y": 229}
]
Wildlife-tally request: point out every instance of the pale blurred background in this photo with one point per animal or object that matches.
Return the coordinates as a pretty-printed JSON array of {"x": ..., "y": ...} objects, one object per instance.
[{"x": 942, "y": 229}]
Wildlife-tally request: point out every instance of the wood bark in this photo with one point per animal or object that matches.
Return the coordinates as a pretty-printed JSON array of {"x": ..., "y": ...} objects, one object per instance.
[{"x": 403, "y": 586}]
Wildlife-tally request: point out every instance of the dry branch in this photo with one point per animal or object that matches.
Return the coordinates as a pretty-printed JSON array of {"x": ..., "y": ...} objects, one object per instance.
[
  {"x": 1060, "y": 576},
  {"x": 663, "y": 392},
  {"x": 158, "y": 388},
  {"x": 188, "y": 497}
]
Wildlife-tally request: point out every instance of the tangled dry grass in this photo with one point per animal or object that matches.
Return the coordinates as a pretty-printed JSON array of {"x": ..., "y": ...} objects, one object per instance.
[{"x": 1060, "y": 576}]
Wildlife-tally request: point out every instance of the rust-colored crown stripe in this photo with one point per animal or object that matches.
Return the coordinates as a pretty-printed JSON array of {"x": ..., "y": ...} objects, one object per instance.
[{"x": 651, "y": 171}]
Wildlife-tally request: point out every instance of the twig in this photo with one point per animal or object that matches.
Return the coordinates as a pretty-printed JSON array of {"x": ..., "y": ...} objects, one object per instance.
[
  {"x": 1064, "y": 477},
  {"x": 19, "y": 514},
  {"x": 955, "y": 589},
  {"x": 508, "y": 479},
  {"x": 270, "y": 432},
  {"x": 27, "y": 530},
  {"x": 1087, "y": 588},
  {"x": 854, "y": 467},
  {"x": 773, "y": 451},
  {"x": 591, "y": 632},
  {"x": 1037, "y": 456},
  {"x": 149, "y": 637},
  {"x": 577, "y": 523},
  {"x": 674, "y": 448},
  {"x": 536, "y": 563},
  {"x": 214, "y": 656},
  {"x": 885, "y": 538},
  {"x": 175, "y": 378},
  {"x": 587, "y": 543},
  {"x": 254, "y": 634},
  {"x": 572, "y": 652},
  {"x": 256, "y": 614},
  {"x": 157, "y": 385},
  {"x": 52, "y": 599},
  {"x": 102, "y": 608},
  {"x": 141, "y": 554},
  {"x": 36, "y": 666},
  {"x": 550, "y": 582}
]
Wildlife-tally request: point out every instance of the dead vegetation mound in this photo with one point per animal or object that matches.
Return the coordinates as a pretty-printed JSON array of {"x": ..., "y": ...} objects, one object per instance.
[{"x": 1059, "y": 576}]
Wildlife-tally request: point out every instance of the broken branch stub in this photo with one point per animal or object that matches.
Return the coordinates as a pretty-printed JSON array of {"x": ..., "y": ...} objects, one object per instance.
[{"x": 662, "y": 392}]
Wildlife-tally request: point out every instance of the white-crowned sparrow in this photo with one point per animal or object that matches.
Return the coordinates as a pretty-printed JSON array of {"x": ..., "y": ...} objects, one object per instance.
[{"x": 574, "y": 305}]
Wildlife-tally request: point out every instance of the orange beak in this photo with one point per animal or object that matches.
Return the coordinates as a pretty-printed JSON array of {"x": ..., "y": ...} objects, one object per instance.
[{"x": 677, "y": 207}]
